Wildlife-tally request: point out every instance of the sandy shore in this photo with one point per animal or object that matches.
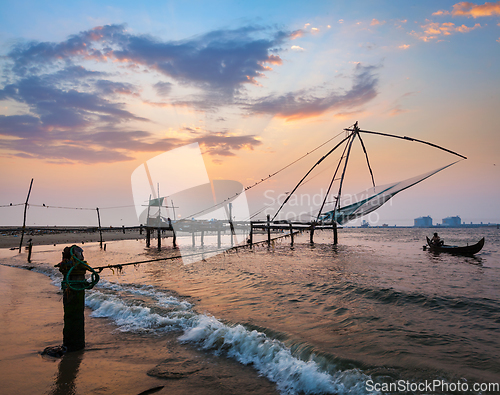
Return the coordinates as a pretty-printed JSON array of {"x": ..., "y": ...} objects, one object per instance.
[
  {"x": 113, "y": 362},
  {"x": 12, "y": 239}
]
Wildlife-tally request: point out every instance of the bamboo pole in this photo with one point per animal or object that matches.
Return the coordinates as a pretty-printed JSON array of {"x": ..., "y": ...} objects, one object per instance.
[
  {"x": 24, "y": 221},
  {"x": 159, "y": 239},
  {"x": 99, "y": 222},
  {"x": 409, "y": 139},
  {"x": 312, "y": 168},
  {"x": 250, "y": 236},
  {"x": 268, "y": 231}
]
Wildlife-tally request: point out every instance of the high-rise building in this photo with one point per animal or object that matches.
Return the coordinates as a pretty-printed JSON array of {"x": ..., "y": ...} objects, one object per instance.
[
  {"x": 452, "y": 221},
  {"x": 422, "y": 222}
]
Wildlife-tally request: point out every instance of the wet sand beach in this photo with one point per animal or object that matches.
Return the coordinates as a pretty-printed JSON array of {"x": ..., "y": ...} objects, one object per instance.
[{"x": 113, "y": 362}]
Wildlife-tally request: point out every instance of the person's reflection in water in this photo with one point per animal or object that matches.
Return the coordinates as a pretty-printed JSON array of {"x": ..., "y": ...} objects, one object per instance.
[{"x": 68, "y": 372}]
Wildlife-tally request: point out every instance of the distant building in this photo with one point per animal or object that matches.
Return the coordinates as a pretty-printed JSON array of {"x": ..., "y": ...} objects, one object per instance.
[
  {"x": 452, "y": 221},
  {"x": 422, "y": 222}
]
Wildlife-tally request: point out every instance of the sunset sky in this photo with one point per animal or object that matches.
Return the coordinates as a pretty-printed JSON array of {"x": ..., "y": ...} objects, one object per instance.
[{"x": 91, "y": 90}]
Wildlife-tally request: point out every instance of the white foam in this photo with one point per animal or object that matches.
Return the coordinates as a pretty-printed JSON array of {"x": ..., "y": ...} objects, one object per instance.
[{"x": 270, "y": 357}]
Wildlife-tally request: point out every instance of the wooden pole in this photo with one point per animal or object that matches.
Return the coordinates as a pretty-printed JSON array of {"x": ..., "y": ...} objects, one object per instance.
[
  {"x": 291, "y": 234},
  {"x": 218, "y": 237},
  {"x": 268, "y": 231},
  {"x": 311, "y": 236},
  {"x": 99, "y": 222},
  {"x": 140, "y": 230},
  {"x": 335, "y": 236},
  {"x": 74, "y": 303},
  {"x": 24, "y": 221},
  {"x": 159, "y": 239},
  {"x": 148, "y": 237},
  {"x": 231, "y": 226},
  {"x": 173, "y": 231},
  {"x": 30, "y": 248},
  {"x": 202, "y": 234},
  {"x": 193, "y": 238},
  {"x": 250, "y": 236}
]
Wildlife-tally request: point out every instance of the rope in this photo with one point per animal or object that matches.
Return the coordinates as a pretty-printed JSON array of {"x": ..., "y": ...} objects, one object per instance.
[
  {"x": 78, "y": 208},
  {"x": 262, "y": 180},
  {"x": 80, "y": 285}
]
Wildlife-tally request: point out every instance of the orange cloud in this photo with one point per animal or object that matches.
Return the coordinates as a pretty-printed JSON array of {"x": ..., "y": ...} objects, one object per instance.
[
  {"x": 273, "y": 59},
  {"x": 468, "y": 9},
  {"x": 498, "y": 39},
  {"x": 297, "y": 34},
  {"x": 434, "y": 30},
  {"x": 404, "y": 46},
  {"x": 375, "y": 22}
]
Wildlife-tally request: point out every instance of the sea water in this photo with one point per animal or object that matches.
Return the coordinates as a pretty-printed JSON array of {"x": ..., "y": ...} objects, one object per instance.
[{"x": 374, "y": 314}]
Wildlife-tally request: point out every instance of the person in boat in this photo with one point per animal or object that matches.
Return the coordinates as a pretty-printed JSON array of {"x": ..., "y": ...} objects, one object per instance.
[{"x": 436, "y": 240}]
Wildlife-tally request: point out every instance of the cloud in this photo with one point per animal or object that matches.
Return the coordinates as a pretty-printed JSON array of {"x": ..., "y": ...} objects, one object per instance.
[
  {"x": 302, "y": 104},
  {"x": 79, "y": 115},
  {"x": 297, "y": 34},
  {"x": 376, "y": 22},
  {"x": 116, "y": 88},
  {"x": 435, "y": 30},
  {"x": 297, "y": 48},
  {"x": 404, "y": 46},
  {"x": 471, "y": 10},
  {"x": 61, "y": 107},
  {"x": 163, "y": 88},
  {"x": 221, "y": 59},
  {"x": 107, "y": 146},
  {"x": 223, "y": 144}
]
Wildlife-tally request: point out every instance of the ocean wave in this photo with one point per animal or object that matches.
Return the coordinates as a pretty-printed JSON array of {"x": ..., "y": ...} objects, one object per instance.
[
  {"x": 270, "y": 357},
  {"x": 481, "y": 307}
]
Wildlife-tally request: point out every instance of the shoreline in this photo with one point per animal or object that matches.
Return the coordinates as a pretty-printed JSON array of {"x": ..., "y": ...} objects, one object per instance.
[
  {"x": 10, "y": 238},
  {"x": 113, "y": 362}
]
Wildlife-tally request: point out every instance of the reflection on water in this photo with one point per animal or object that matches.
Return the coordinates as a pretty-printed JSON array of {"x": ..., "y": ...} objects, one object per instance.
[{"x": 69, "y": 366}]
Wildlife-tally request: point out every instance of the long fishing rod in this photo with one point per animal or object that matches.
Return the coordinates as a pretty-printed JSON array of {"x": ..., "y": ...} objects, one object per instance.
[{"x": 120, "y": 266}]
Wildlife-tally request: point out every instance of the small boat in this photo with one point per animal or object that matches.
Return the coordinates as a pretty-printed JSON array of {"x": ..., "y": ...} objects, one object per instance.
[{"x": 464, "y": 250}]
